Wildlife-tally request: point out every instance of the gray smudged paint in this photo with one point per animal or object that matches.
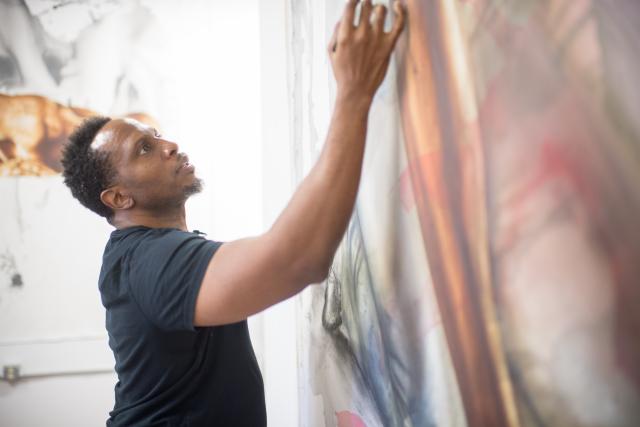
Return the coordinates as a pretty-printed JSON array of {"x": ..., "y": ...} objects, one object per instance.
[{"x": 9, "y": 270}]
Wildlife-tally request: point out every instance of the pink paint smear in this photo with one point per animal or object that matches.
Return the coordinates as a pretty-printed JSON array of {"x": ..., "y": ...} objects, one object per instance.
[{"x": 349, "y": 419}]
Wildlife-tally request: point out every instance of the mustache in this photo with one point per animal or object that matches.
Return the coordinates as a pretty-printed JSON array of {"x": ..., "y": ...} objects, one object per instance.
[{"x": 182, "y": 160}]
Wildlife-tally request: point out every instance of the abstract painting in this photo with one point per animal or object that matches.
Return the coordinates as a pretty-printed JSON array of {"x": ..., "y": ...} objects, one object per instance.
[
  {"x": 372, "y": 346},
  {"x": 488, "y": 275}
]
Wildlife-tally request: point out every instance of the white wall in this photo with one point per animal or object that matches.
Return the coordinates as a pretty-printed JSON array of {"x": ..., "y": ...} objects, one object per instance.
[
  {"x": 279, "y": 349},
  {"x": 64, "y": 401}
]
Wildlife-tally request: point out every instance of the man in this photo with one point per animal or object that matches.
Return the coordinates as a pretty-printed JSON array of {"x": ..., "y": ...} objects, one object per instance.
[{"x": 176, "y": 314}]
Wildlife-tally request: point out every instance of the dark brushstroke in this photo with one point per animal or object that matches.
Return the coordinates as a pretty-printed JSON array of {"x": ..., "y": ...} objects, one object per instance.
[
  {"x": 360, "y": 330},
  {"x": 16, "y": 280}
]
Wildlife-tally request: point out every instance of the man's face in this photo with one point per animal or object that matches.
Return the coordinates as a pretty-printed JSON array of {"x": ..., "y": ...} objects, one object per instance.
[{"x": 149, "y": 169}]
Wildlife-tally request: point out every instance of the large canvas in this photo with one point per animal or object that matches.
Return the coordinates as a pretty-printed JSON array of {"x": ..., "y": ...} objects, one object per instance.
[
  {"x": 488, "y": 276},
  {"x": 372, "y": 346}
]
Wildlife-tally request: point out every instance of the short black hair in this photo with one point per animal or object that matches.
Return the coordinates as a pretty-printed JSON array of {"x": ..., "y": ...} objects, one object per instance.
[{"x": 87, "y": 172}]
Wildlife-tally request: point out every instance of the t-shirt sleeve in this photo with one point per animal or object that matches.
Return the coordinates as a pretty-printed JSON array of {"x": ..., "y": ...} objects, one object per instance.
[{"x": 165, "y": 274}]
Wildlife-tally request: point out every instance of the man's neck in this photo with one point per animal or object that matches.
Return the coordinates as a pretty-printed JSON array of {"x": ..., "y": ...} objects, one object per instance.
[{"x": 165, "y": 219}]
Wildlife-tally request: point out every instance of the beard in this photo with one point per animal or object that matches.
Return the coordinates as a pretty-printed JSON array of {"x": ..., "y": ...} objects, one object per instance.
[{"x": 194, "y": 188}]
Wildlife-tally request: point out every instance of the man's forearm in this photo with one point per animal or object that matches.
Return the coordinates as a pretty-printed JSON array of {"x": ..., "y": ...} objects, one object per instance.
[{"x": 311, "y": 227}]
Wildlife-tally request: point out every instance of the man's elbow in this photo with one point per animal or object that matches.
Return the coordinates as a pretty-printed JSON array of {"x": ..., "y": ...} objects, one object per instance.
[
  {"x": 321, "y": 269},
  {"x": 321, "y": 273},
  {"x": 315, "y": 272}
]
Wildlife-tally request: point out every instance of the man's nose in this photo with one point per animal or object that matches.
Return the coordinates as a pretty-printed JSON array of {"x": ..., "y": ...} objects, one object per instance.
[{"x": 169, "y": 149}]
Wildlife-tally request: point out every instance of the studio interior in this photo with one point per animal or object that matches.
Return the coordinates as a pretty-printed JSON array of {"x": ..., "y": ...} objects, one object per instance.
[{"x": 424, "y": 213}]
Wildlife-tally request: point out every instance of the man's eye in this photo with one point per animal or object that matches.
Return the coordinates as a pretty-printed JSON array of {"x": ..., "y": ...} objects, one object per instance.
[{"x": 145, "y": 148}]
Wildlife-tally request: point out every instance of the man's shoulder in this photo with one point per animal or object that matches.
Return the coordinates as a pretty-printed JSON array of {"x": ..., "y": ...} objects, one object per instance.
[
  {"x": 164, "y": 245},
  {"x": 125, "y": 243},
  {"x": 157, "y": 248}
]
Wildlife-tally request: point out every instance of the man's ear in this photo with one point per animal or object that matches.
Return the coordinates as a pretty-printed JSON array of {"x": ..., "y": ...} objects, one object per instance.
[{"x": 115, "y": 199}]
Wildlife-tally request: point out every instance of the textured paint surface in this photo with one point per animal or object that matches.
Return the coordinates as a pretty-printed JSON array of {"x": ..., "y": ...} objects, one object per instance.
[
  {"x": 504, "y": 162},
  {"x": 561, "y": 143},
  {"x": 347, "y": 419}
]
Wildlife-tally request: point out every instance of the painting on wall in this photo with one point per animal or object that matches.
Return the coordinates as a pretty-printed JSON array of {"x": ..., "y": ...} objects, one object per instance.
[
  {"x": 33, "y": 130},
  {"x": 488, "y": 275},
  {"x": 372, "y": 345},
  {"x": 558, "y": 126},
  {"x": 59, "y": 63},
  {"x": 52, "y": 56}
]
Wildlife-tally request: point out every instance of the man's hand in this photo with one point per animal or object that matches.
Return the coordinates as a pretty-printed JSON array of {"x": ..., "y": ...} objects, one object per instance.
[{"x": 360, "y": 53}]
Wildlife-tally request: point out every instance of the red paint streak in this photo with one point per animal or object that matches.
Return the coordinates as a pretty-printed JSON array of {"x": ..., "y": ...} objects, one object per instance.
[
  {"x": 407, "y": 200},
  {"x": 554, "y": 164},
  {"x": 426, "y": 169},
  {"x": 349, "y": 419}
]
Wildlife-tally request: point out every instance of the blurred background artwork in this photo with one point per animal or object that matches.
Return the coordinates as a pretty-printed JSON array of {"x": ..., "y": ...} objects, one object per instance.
[
  {"x": 52, "y": 58},
  {"x": 488, "y": 276},
  {"x": 556, "y": 114},
  {"x": 59, "y": 64},
  {"x": 33, "y": 130},
  {"x": 61, "y": 61}
]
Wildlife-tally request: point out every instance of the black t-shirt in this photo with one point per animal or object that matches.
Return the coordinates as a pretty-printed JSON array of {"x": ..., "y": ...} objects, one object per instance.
[{"x": 171, "y": 373}]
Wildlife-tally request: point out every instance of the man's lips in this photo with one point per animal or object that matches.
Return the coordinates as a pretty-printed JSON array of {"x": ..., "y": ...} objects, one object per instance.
[{"x": 185, "y": 165}]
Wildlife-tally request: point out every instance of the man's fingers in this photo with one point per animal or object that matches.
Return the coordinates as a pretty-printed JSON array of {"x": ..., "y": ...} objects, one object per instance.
[
  {"x": 365, "y": 14},
  {"x": 334, "y": 39},
  {"x": 379, "y": 15},
  {"x": 398, "y": 24},
  {"x": 346, "y": 23}
]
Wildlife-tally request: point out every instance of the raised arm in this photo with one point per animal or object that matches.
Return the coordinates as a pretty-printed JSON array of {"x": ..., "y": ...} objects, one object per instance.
[{"x": 249, "y": 275}]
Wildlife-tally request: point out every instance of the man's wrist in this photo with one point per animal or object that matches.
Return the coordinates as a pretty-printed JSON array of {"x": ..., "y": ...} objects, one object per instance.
[{"x": 356, "y": 101}]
